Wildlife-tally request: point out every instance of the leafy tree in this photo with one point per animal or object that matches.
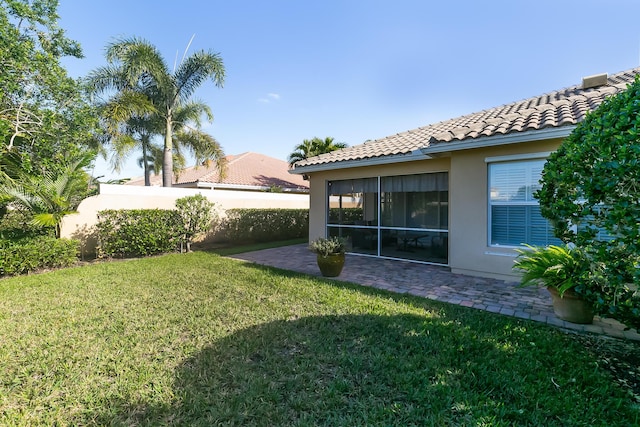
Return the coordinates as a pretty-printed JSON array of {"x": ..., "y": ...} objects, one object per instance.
[
  {"x": 591, "y": 184},
  {"x": 44, "y": 114},
  {"x": 137, "y": 70},
  {"x": 314, "y": 147},
  {"x": 197, "y": 215}
]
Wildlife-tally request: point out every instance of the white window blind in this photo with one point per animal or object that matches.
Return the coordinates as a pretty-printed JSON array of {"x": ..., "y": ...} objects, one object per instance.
[{"x": 514, "y": 212}]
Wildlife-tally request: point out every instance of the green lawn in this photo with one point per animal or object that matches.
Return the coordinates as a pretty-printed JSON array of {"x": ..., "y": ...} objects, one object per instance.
[{"x": 198, "y": 339}]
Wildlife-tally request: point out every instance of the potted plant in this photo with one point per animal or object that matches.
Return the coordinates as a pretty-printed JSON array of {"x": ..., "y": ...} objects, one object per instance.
[
  {"x": 561, "y": 269},
  {"x": 330, "y": 254}
]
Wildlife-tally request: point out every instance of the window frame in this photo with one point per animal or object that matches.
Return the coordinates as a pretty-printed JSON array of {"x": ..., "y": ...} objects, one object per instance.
[{"x": 514, "y": 159}]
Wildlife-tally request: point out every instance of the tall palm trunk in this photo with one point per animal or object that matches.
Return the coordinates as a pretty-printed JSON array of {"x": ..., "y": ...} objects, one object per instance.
[
  {"x": 167, "y": 158},
  {"x": 145, "y": 162}
]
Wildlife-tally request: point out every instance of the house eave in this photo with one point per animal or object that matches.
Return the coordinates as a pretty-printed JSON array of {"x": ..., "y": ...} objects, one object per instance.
[
  {"x": 492, "y": 141},
  {"x": 373, "y": 161}
]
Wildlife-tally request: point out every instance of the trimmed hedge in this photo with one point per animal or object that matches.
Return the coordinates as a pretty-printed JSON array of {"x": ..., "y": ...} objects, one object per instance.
[
  {"x": 28, "y": 255},
  {"x": 137, "y": 232},
  {"x": 265, "y": 225},
  {"x": 18, "y": 224}
]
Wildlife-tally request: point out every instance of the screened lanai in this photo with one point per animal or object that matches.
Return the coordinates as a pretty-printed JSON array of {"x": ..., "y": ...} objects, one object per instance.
[{"x": 403, "y": 216}]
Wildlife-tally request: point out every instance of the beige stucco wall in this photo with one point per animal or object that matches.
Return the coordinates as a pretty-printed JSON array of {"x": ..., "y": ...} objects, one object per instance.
[
  {"x": 469, "y": 250},
  {"x": 80, "y": 225}
]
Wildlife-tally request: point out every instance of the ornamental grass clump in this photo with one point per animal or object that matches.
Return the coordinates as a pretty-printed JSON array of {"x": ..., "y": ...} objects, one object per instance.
[
  {"x": 328, "y": 246},
  {"x": 558, "y": 267}
]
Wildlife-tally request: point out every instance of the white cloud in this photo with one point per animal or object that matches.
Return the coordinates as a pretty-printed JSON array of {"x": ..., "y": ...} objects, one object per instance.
[{"x": 269, "y": 97}]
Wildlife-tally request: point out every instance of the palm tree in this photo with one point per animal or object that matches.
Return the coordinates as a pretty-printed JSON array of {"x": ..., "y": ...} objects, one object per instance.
[
  {"x": 137, "y": 134},
  {"x": 48, "y": 197},
  {"x": 189, "y": 137},
  {"x": 314, "y": 147},
  {"x": 129, "y": 117},
  {"x": 137, "y": 65},
  {"x": 323, "y": 146},
  {"x": 150, "y": 160},
  {"x": 132, "y": 125},
  {"x": 301, "y": 152}
]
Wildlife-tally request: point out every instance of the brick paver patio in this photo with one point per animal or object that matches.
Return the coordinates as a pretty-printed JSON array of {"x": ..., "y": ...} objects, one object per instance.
[{"x": 438, "y": 283}]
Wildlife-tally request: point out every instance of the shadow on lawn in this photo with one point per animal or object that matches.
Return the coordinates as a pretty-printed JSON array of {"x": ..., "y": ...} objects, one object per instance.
[{"x": 378, "y": 370}]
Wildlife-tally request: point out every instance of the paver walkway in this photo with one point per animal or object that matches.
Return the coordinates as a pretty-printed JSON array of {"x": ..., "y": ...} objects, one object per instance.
[{"x": 438, "y": 283}]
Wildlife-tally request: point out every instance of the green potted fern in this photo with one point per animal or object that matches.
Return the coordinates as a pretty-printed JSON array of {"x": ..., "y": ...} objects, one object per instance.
[
  {"x": 329, "y": 254},
  {"x": 561, "y": 269}
]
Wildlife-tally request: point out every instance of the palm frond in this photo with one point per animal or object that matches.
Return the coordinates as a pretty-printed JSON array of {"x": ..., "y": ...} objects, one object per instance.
[
  {"x": 103, "y": 79},
  {"x": 195, "y": 70},
  {"x": 192, "y": 112},
  {"x": 126, "y": 105},
  {"x": 314, "y": 147},
  {"x": 139, "y": 60}
]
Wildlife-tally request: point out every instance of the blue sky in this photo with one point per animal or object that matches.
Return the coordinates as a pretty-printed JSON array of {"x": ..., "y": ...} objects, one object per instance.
[{"x": 357, "y": 70}]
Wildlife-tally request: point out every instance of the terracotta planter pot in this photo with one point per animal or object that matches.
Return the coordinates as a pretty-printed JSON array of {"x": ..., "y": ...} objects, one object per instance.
[
  {"x": 571, "y": 307},
  {"x": 331, "y": 266}
]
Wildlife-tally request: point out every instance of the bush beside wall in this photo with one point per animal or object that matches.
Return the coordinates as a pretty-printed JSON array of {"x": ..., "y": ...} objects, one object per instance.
[
  {"x": 264, "y": 225},
  {"x": 142, "y": 232},
  {"x": 28, "y": 255},
  {"x": 137, "y": 232}
]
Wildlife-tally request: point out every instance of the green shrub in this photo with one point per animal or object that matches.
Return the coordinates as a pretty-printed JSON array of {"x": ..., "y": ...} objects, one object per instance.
[
  {"x": 328, "y": 246},
  {"x": 560, "y": 267},
  {"x": 197, "y": 215},
  {"x": 590, "y": 193},
  {"x": 137, "y": 232},
  {"x": 18, "y": 224},
  {"x": 264, "y": 225},
  {"x": 31, "y": 254}
]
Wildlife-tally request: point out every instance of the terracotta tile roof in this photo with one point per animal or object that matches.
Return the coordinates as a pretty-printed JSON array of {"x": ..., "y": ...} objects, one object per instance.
[
  {"x": 243, "y": 170},
  {"x": 564, "y": 107}
]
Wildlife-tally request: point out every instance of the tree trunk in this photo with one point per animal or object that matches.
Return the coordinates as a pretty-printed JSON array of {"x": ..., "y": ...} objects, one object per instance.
[
  {"x": 167, "y": 157},
  {"x": 145, "y": 164}
]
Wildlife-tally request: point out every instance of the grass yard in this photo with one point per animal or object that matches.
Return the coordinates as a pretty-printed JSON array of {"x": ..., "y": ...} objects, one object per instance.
[{"x": 198, "y": 339}]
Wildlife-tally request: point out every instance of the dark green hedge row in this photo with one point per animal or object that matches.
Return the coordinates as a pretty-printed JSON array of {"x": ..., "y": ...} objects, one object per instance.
[
  {"x": 264, "y": 225},
  {"x": 27, "y": 255},
  {"x": 16, "y": 224},
  {"x": 137, "y": 232}
]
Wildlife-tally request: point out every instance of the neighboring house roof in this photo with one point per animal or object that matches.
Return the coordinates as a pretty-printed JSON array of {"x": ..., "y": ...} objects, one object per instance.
[
  {"x": 553, "y": 114},
  {"x": 246, "y": 171}
]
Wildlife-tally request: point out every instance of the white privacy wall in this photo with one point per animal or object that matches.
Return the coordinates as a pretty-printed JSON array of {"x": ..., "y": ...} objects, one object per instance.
[{"x": 79, "y": 225}]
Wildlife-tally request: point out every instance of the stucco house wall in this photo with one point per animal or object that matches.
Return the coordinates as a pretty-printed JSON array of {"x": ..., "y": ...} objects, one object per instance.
[{"x": 469, "y": 249}]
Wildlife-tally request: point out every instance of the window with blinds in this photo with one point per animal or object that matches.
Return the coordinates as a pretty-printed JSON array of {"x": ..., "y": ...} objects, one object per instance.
[{"x": 514, "y": 213}]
